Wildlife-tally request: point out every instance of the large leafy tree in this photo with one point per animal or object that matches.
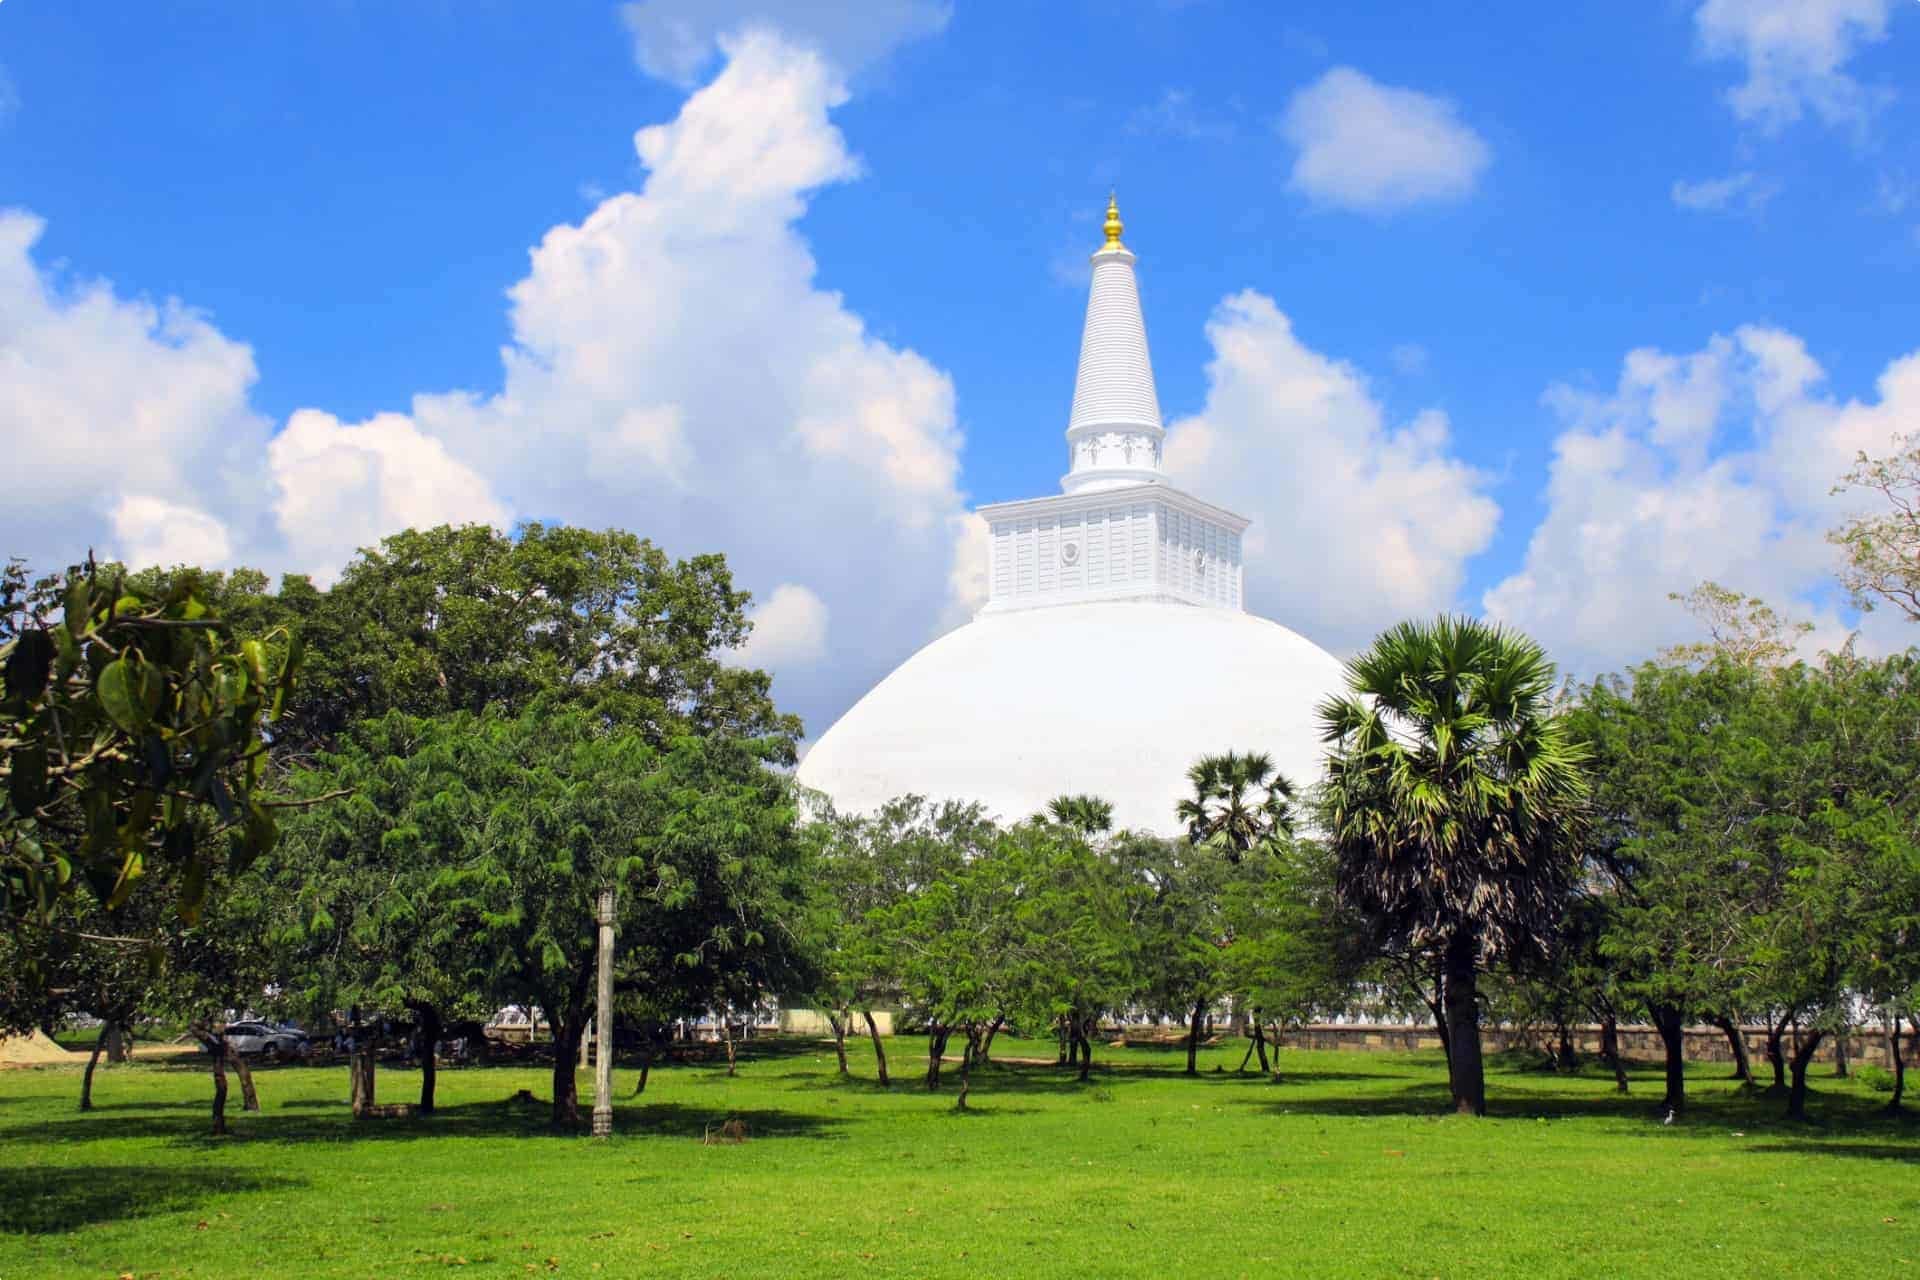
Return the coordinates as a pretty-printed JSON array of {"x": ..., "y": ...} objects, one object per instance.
[
  {"x": 1450, "y": 803},
  {"x": 498, "y": 832}
]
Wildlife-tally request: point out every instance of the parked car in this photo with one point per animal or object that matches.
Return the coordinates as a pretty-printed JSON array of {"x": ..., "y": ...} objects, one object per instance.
[{"x": 278, "y": 1041}]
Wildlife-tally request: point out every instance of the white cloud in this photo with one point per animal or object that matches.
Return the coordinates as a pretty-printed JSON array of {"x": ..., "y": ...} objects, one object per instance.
[
  {"x": 1375, "y": 148},
  {"x": 1356, "y": 523},
  {"x": 789, "y": 628},
  {"x": 112, "y": 405},
  {"x": 341, "y": 488},
  {"x": 677, "y": 40},
  {"x": 673, "y": 369},
  {"x": 1719, "y": 465},
  {"x": 1795, "y": 52},
  {"x": 1746, "y": 192},
  {"x": 153, "y": 531}
]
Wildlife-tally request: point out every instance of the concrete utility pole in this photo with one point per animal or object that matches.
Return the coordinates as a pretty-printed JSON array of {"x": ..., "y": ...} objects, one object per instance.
[{"x": 603, "y": 1055}]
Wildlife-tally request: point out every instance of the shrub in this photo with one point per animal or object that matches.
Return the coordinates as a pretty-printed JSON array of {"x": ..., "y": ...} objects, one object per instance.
[{"x": 1874, "y": 1076}]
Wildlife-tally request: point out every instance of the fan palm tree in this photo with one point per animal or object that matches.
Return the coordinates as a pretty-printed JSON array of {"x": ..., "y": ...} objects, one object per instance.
[
  {"x": 1089, "y": 815},
  {"x": 1452, "y": 796},
  {"x": 1239, "y": 802}
]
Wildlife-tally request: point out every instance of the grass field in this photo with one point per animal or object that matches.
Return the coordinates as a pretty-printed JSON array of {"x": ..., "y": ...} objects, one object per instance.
[{"x": 1343, "y": 1168}]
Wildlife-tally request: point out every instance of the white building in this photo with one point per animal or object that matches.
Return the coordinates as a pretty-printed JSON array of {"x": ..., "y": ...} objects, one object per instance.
[{"x": 1114, "y": 649}]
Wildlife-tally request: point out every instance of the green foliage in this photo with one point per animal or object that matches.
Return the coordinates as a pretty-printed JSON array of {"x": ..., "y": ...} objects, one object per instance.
[
  {"x": 1452, "y": 788},
  {"x": 1239, "y": 802},
  {"x": 450, "y": 619},
  {"x": 1883, "y": 546},
  {"x": 132, "y": 723}
]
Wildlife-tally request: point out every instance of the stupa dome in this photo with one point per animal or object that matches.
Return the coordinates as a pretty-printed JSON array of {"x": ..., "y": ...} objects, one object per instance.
[
  {"x": 1112, "y": 698},
  {"x": 1114, "y": 649}
]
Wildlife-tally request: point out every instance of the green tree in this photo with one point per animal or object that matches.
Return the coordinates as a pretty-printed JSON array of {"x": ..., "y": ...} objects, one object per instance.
[
  {"x": 533, "y": 815},
  {"x": 1089, "y": 815},
  {"x": 1883, "y": 546},
  {"x": 1239, "y": 802},
  {"x": 869, "y": 864},
  {"x": 1451, "y": 802}
]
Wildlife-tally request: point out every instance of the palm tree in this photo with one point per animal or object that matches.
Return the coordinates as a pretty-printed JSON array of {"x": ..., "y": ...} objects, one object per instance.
[
  {"x": 1089, "y": 815},
  {"x": 1239, "y": 802},
  {"x": 1452, "y": 796}
]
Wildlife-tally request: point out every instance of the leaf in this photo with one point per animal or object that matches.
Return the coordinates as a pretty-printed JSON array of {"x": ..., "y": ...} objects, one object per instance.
[
  {"x": 193, "y": 891},
  {"x": 29, "y": 664},
  {"x": 130, "y": 870},
  {"x": 27, "y": 786},
  {"x": 120, "y": 696},
  {"x": 78, "y": 606}
]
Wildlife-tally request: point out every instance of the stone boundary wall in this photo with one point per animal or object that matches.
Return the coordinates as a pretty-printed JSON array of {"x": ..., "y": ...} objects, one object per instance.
[{"x": 1703, "y": 1044}]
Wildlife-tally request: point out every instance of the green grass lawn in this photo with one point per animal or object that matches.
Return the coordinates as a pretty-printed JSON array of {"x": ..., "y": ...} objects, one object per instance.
[{"x": 1343, "y": 1168}]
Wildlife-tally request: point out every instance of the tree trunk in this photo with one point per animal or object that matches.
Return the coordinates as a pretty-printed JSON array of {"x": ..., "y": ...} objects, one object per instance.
[
  {"x": 879, "y": 1050},
  {"x": 1273, "y": 1039},
  {"x": 1610, "y": 1050},
  {"x": 1777, "y": 1058},
  {"x": 1246, "y": 1057},
  {"x": 93, "y": 1060},
  {"x": 1193, "y": 1036},
  {"x": 1737, "y": 1042},
  {"x": 646, "y": 1065},
  {"x": 1064, "y": 1040},
  {"x": 967, "y": 1059},
  {"x": 986, "y": 1045},
  {"x": 429, "y": 1033},
  {"x": 1463, "y": 1027},
  {"x": 249, "y": 1100},
  {"x": 1899, "y": 1063},
  {"x": 219, "y": 1050},
  {"x": 936, "y": 1048},
  {"x": 1803, "y": 1051},
  {"x": 1840, "y": 1063},
  {"x": 117, "y": 1037},
  {"x": 726, "y": 1037},
  {"x": 568, "y": 1032},
  {"x": 1667, "y": 1022},
  {"x": 1564, "y": 1058},
  {"x": 215, "y": 1043},
  {"x": 838, "y": 1021}
]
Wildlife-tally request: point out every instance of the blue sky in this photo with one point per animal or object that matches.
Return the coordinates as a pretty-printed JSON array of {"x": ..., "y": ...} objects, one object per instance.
[{"x": 1467, "y": 221}]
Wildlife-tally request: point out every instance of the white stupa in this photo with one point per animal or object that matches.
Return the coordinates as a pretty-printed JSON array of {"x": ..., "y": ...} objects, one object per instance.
[{"x": 1114, "y": 649}]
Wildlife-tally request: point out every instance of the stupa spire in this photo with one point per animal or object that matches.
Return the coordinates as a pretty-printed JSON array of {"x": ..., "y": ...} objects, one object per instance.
[{"x": 1114, "y": 433}]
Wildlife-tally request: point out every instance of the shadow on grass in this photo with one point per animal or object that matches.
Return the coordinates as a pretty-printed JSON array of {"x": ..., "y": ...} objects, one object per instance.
[
  {"x": 312, "y": 1120},
  {"x": 1907, "y": 1153},
  {"x": 38, "y": 1201},
  {"x": 679, "y": 1119}
]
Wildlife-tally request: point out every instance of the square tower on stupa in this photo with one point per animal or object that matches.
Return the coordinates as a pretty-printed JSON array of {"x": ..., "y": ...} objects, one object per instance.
[{"x": 1116, "y": 530}]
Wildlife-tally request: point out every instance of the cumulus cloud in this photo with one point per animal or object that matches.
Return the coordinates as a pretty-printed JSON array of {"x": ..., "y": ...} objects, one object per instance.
[
  {"x": 1795, "y": 53},
  {"x": 118, "y": 409},
  {"x": 1717, "y": 464},
  {"x": 1738, "y": 192},
  {"x": 1368, "y": 146},
  {"x": 789, "y": 627},
  {"x": 340, "y": 488},
  {"x": 677, "y": 40},
  {"x": 673, "y": 368},
  {"x": 1357, "y": 522}
]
